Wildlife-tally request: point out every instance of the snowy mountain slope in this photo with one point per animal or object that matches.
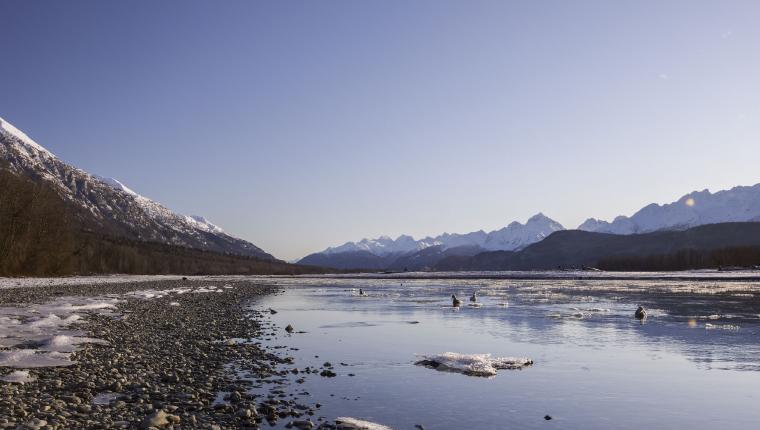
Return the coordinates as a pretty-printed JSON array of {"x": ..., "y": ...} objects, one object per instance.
[
  {"x": 694, "y": 209},
  {"x": 517, "y": 236},
  {"x": 112, "y": 206}
]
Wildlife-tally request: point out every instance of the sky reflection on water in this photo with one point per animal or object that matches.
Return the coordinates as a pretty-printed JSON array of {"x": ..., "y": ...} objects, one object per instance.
[{"x": 595, "y": 365}]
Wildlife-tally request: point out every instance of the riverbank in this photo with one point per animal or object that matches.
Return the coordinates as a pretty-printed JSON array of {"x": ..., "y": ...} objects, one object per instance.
[{"x": 150, "y": 354}]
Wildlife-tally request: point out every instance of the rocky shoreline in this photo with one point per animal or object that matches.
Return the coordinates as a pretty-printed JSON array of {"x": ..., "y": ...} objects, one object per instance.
[{"x": 170, "y": 362}]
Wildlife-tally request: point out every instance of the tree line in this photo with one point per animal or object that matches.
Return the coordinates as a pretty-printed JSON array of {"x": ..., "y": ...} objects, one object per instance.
[{"x": 686, "y": 259}]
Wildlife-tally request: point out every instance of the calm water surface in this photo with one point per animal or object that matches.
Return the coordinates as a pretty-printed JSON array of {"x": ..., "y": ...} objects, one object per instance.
[{"x": 692, "y": 364}]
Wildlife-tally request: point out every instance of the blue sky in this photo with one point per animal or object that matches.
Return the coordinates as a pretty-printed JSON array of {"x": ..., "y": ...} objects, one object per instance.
[{"x": 299, "y": 125}]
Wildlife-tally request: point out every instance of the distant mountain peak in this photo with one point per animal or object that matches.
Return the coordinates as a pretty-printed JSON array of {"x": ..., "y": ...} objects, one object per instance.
[
  {"x": 23, "y": 138},
  {"x": 539, "y": 217}
]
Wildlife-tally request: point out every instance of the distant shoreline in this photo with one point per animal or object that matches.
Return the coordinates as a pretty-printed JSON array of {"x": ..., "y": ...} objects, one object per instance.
[{"x": 696, "y": 276}]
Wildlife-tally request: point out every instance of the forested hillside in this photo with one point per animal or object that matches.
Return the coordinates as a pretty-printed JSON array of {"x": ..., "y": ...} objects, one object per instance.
[{"x": 43, "y": 235}]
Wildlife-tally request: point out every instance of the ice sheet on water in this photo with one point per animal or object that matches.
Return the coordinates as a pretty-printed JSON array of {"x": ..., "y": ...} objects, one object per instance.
[
  {"x": 66, "y": 343},
  {"x": 472, "y": 364},
  {"x": 39, "y": 335},
  {"x": 349, "y": 423},
  {"x": 54, "y": 320}
]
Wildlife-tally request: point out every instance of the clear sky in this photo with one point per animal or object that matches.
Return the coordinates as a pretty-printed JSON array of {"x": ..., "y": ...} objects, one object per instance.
[{"x": 299, "y": 125}]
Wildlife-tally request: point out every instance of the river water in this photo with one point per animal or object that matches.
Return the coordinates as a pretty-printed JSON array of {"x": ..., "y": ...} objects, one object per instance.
[{"x": 692, "y": 363}]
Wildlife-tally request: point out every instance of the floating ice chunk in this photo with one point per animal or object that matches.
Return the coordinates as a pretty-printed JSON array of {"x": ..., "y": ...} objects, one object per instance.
[
  {"x": 18, "y": 377},
  {"x": 347, "y": 423},
  {"x": 472, "y": 364},
  {"x": 709, "y": 326},
  {"x": 598, "y": 310}
]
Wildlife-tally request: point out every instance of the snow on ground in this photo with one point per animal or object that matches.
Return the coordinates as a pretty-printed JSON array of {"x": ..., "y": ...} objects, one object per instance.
[{"x": 18, "y": 377}]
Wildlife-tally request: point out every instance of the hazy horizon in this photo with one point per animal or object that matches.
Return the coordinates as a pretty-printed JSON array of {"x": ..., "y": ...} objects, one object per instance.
[{"x": 299, "y": 126}]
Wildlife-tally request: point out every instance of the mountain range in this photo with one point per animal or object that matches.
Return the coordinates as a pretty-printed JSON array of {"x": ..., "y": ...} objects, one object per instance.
[
  {"x": 739, "y": 204},
  {"x": 407, "y": 253}
]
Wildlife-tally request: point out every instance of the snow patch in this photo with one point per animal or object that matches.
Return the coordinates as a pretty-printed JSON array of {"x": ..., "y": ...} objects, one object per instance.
[
  {"x": 115, "y": 184},
  {"x": 18, "y": 377},
  {"x": 204, "y": 224},
  {"x": 30, "y": 358}
]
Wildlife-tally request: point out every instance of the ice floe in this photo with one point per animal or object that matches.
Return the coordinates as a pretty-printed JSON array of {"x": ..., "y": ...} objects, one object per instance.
[
  {"x": 710, "y": 326},
  {"x": 472, "y": 364},
  {"x": 348, "y": 423}
]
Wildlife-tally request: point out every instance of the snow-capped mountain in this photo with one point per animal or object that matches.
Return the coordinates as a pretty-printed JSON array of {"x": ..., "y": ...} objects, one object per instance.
[
  {"x": 517, "y": 236},
  {"x": 694, "y": 209},
  {"x": 383, "y": 245},
  {"x": 112, "y": 206},
  {"x": 514, "y": 236}
]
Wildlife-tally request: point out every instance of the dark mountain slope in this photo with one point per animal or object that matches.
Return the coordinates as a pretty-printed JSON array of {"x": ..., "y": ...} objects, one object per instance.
[
  {"x": 427, "y": 258},
  {"x": 350, "y": 260},
  {"x": 575, "y": 248},
  {"x": 43, "y": 234}
]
